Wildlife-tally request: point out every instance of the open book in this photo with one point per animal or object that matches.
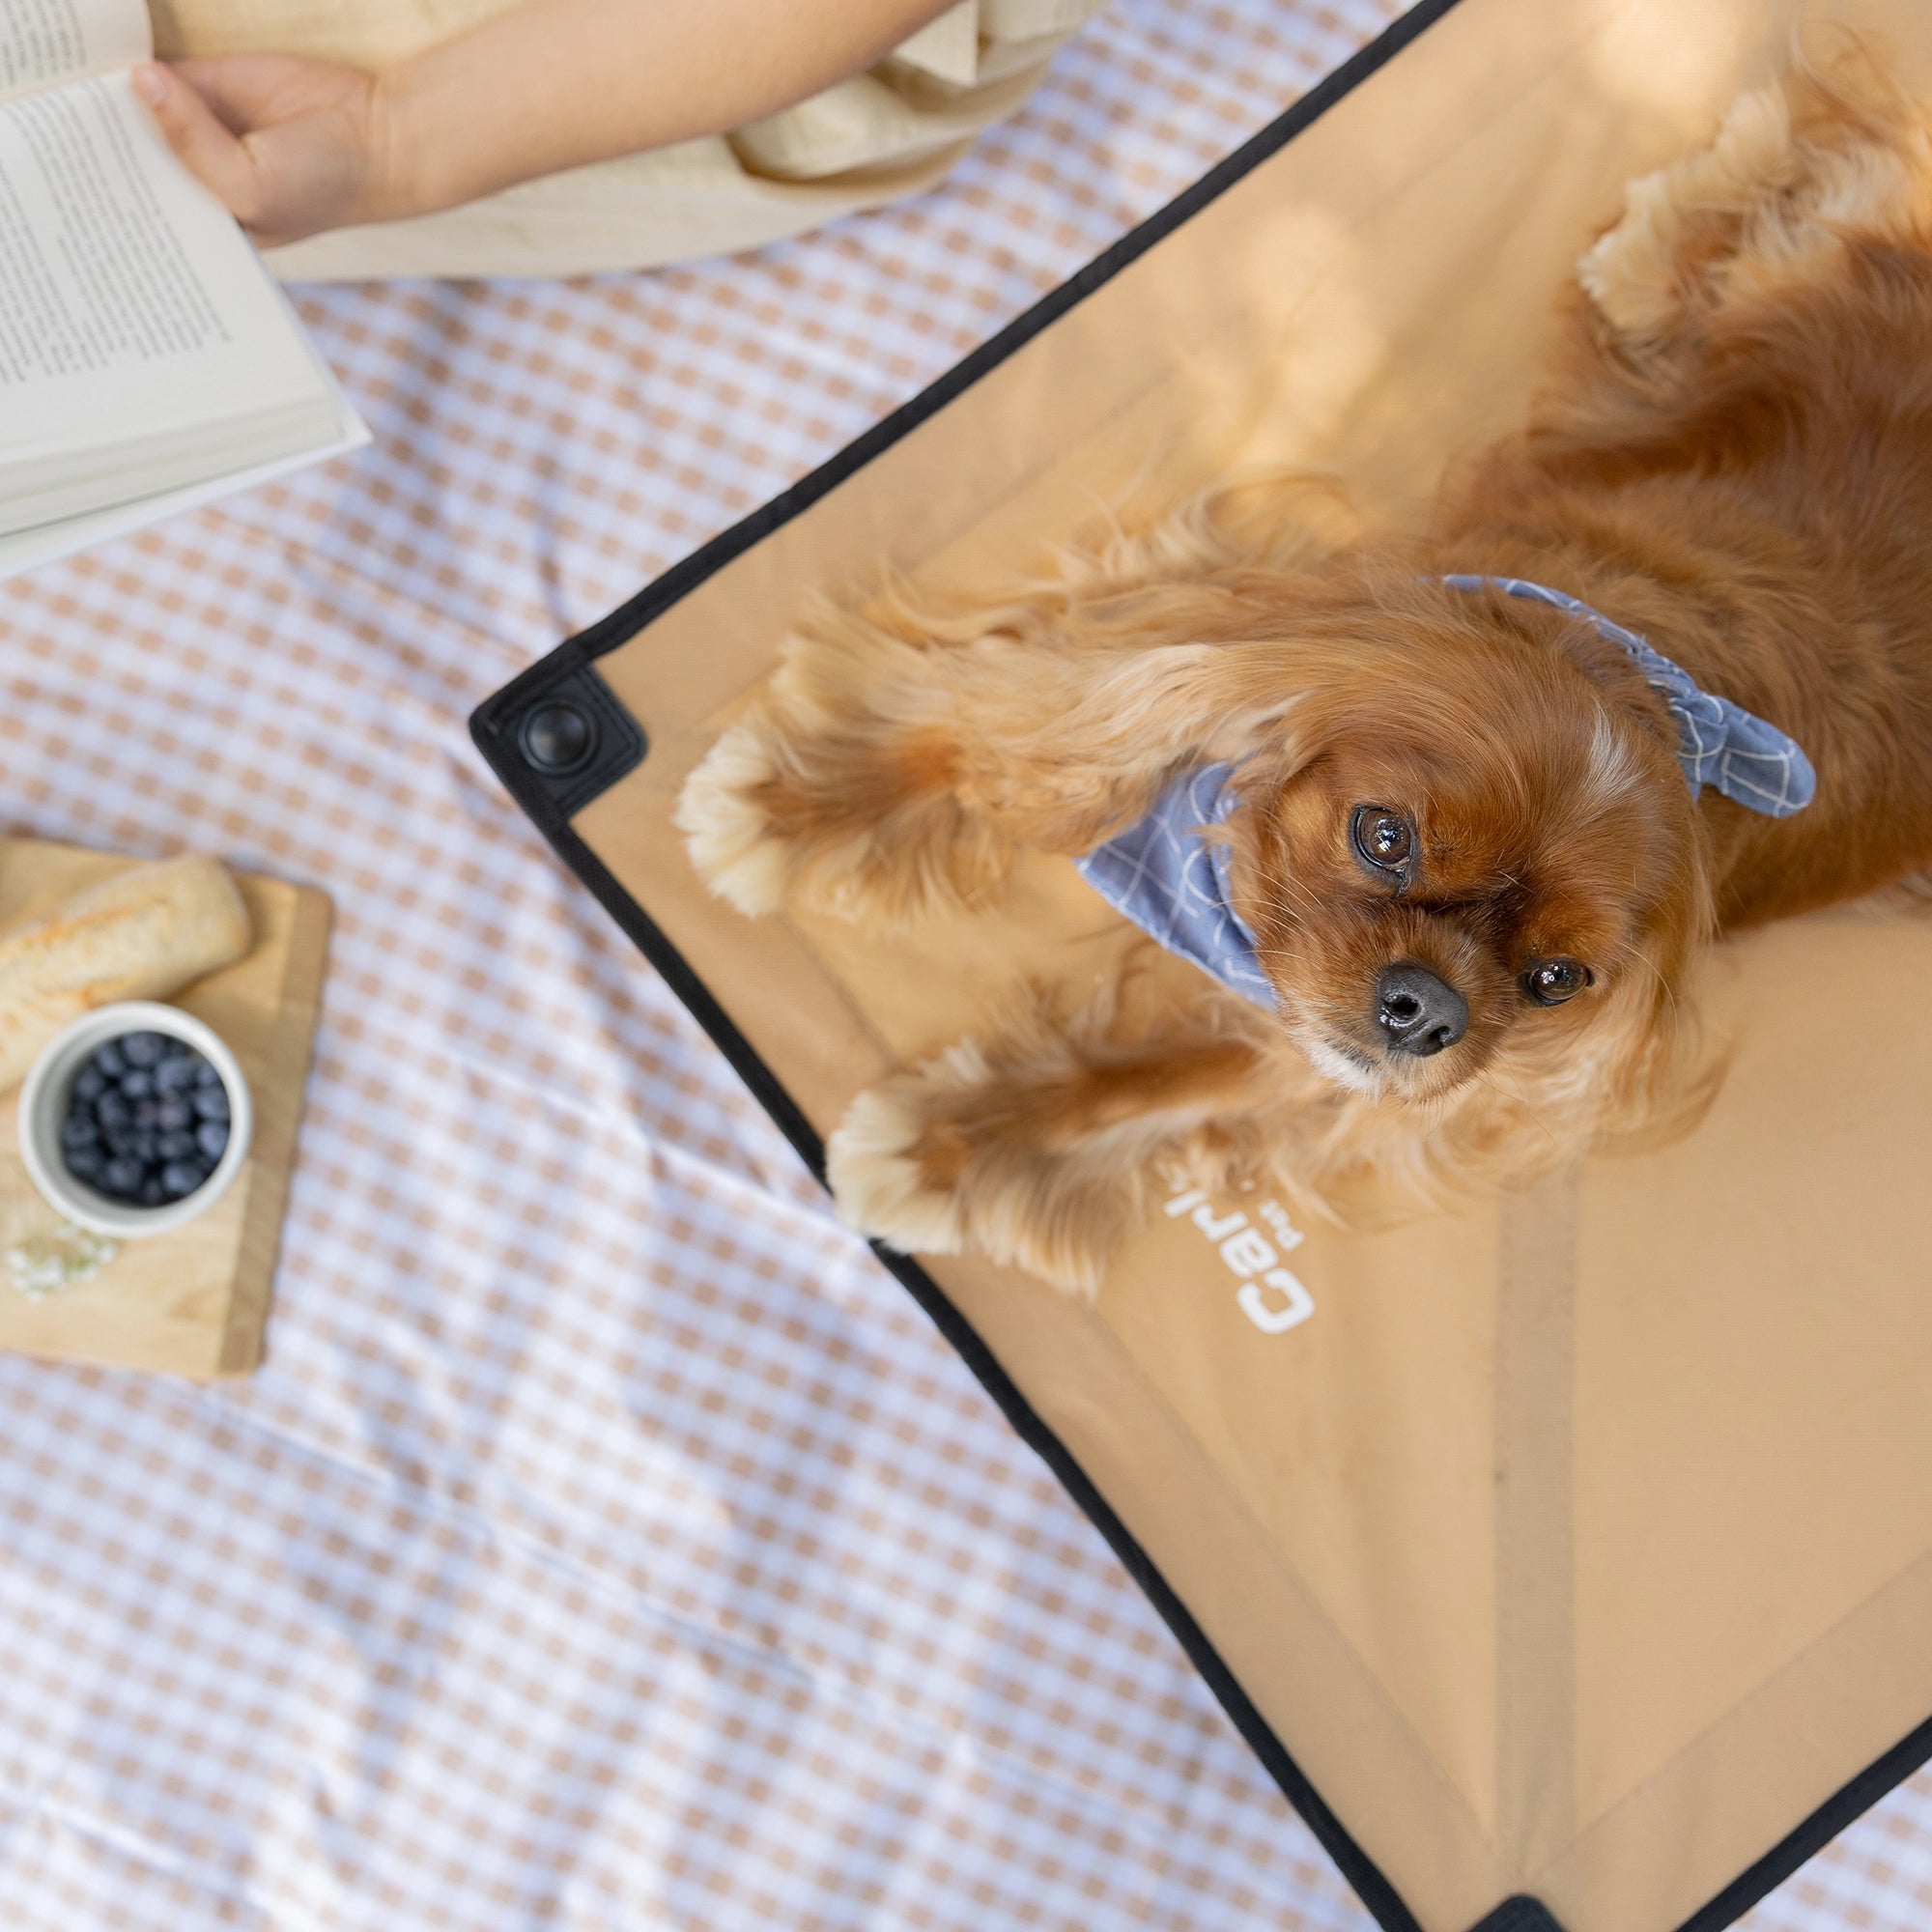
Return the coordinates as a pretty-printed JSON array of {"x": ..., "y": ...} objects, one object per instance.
[{"x": 148, "y": 363}]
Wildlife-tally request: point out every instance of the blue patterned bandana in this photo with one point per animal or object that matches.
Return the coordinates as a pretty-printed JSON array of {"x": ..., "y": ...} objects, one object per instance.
[
  {"x": 1173, "y": 883},
  {"x": 1718, "y": 744}
]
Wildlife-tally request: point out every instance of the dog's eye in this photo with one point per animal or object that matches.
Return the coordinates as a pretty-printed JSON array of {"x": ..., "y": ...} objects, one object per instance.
[
  {"x": 1384, "y": 839},
  {"x": 1552, "y": 981}
]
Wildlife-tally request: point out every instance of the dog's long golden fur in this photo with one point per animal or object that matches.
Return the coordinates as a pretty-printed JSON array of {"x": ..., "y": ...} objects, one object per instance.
[{"x": 1734, "y": 459}]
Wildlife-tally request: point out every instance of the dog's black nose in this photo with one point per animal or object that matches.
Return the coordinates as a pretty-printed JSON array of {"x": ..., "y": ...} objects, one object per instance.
[{"x": 1418, "y": 1013}]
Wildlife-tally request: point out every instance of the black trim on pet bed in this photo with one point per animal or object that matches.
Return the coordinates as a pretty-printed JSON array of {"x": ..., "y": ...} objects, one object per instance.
[
  {"x": 501, "y": 727},
  {"x": 1518, "y": 1913}
]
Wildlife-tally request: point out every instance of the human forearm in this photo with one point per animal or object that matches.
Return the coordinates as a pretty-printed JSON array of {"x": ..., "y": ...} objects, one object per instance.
[
  {"x": 555, "y": 84},
  {"x": 297, "y": 146}
]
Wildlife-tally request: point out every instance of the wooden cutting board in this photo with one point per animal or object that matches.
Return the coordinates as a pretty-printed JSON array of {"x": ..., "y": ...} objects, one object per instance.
[{"x": 195, "y": 1301}]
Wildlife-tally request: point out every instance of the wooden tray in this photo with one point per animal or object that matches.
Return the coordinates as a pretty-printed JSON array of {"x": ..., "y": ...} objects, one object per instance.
[{"x": 193, "y": 1302}]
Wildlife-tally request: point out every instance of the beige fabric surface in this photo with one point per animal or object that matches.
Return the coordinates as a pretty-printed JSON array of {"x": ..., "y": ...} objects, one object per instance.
[
  {"x": 875, "y": 139},
  {"x": 1580, "y": 1542}
]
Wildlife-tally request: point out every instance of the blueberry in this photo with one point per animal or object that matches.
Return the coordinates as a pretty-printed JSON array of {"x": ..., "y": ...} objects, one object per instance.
[
  {"x": 205, "y": 1074},
  {"x": 176, "y": 1145},
  {"x": 138, "y": 1083},
  {"x": 122, "y": 1176},
  {"x": 78, "y": 1131},
  {"x": 182, "y": 1177},
  {"x": 172, "y": 1075},
  {"x": 153, "y": 1193},
  {"x": 147, "y": 1113},
  {"x": 84, "y": 1163},
  {"x": 147, "y": 1144},
  {"x": 112, "y": 1111},
  {"x": 120, "y": 1141},
  {"x": 110, "y": 1060},
  {"x": 211, "y": 1137},
  {"x": 89, "y": 1083},
  {"x": 143, "y": 1049},
  {"x": 179, "y": 1049},
  {"x": 212, "y": 1102}
]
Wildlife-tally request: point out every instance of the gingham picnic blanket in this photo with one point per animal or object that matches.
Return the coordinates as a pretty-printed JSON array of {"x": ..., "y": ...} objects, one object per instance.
[{"x": 607, "y": 1542}]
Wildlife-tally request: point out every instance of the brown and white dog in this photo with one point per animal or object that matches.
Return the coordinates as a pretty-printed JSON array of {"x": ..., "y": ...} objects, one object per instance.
[{"x": 1462, "y": 844}]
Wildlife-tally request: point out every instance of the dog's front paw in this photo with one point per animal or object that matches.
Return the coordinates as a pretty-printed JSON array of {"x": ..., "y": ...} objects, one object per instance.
[
  {"x": 938, "y": 1161},
  {"x": 854, "y": 829},
  {"x": 884, "y": 1167},
  {"x": 724, "y": 814},
  {"x": 843, "y": 787}
]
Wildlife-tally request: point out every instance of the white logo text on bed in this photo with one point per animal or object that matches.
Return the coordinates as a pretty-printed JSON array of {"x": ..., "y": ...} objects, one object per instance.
[{"x": 1273, "y": 1299}]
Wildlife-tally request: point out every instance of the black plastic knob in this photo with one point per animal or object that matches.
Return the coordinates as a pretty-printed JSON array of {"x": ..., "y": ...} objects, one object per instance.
[{"x": 558, "y": 736}]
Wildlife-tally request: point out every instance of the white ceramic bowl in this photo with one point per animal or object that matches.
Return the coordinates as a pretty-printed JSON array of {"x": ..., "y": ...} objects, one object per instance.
[{"x": 45, "y": 1093}]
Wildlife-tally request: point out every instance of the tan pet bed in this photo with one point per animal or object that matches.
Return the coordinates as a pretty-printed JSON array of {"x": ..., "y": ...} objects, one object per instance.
[{"x": 1570, "y": 1560}]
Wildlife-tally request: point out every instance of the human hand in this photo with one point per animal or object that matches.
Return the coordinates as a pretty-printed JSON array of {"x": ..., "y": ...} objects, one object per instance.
[{"x": 291, "y": 146}]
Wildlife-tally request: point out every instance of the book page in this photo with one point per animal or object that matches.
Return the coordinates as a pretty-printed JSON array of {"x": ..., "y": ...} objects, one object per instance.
[
  {"x": 25, "y": 549},
  {"x": 46, "y": 42},
  {"x": 132, "y": 310}
]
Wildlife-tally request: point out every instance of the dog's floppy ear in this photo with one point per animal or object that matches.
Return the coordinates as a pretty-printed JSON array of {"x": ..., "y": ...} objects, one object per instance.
[
  {"x": 1087, "y": 741},
  {"x": 1172, "y": 702}
]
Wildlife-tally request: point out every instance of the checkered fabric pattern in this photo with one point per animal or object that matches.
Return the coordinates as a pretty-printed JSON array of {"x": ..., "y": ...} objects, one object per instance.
[
  {"x": 1174, "y": 884},
  {"x": 607, "y": 1542}
]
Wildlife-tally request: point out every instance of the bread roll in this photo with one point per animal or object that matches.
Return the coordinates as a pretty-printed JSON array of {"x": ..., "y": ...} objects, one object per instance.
[{"x": 140, "y": 935}]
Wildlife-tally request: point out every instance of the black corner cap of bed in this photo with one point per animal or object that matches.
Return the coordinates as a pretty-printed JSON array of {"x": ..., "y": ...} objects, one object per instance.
[
  {"x": 558, "y": 737},
  {"x": 1521, "y": 1913}
]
